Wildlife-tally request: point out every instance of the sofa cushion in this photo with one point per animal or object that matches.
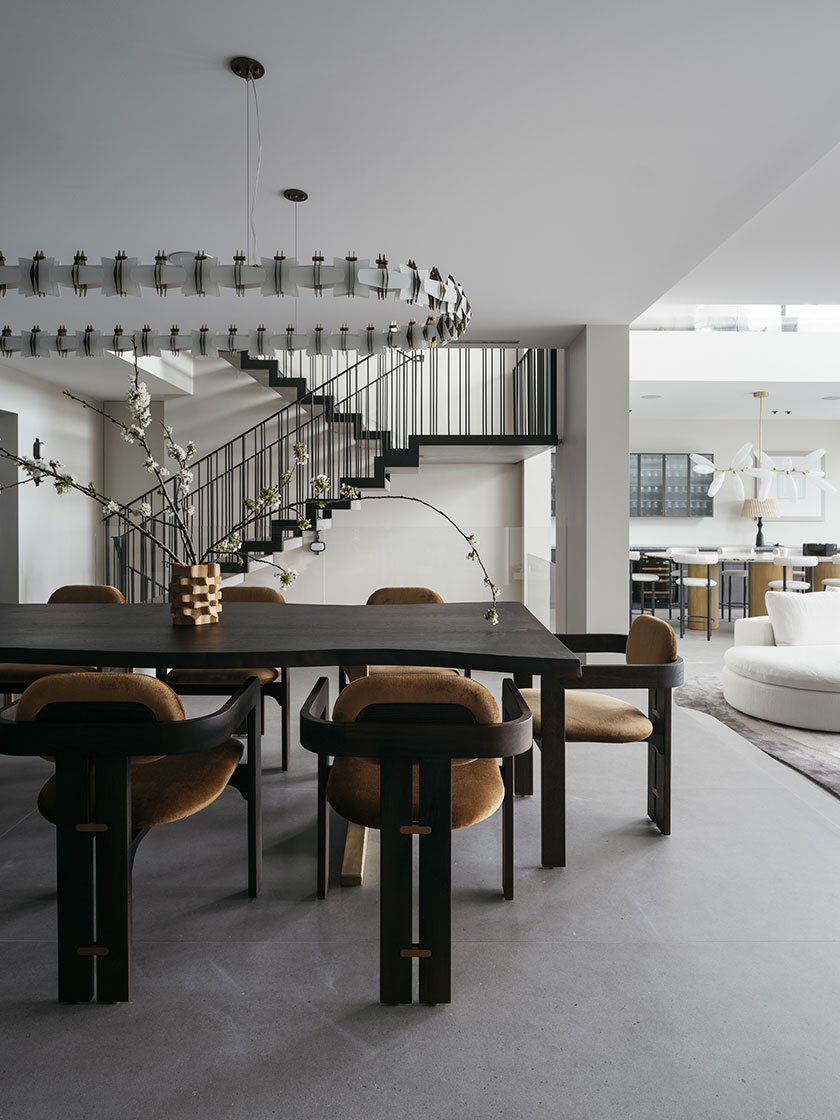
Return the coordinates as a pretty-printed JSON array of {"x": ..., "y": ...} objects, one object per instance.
[
  {"x": 815, "y": 668},
  {"x": 804, "y": 620}
]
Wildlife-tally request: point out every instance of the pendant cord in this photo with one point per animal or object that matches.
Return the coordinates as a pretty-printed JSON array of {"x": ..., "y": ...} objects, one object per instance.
[
  {"x": 296, "y": 257},
  {"x": 247, "y": 160},
  {"x": 253, "y": 85}
]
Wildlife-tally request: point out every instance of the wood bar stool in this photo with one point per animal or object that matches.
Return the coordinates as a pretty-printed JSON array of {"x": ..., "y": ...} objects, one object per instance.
[{"x": 696, "y": 560}]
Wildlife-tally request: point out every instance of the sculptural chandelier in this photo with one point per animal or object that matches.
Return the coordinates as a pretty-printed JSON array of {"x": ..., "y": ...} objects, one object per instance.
[
  {"x": 443, "y": 305},
  {"x": 777, "y": 474}
]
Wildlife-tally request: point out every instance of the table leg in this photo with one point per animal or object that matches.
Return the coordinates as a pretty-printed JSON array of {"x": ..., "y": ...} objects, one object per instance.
[
  {"x": 74, "y": 876},
  {"x": 553, "y": 773},
  {"x": 113, "y": 879}
]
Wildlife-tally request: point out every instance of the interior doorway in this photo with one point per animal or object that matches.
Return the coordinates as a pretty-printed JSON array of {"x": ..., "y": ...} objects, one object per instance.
[{"x": 9, "y": 516}]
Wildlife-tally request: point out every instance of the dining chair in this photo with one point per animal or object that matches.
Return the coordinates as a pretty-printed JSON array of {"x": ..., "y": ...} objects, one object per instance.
[
  {"x": 731, "y": 576},
  {"x": 415, "y": 756},
  {"x": 831, "y": 581},
  {"x": 651, "y": 663},
  {"x": 274, "y": 681},
  {"x": 395, "y": 596},
  {"x": 15, "y": 678},
  {"x": 126, "y": 760}
]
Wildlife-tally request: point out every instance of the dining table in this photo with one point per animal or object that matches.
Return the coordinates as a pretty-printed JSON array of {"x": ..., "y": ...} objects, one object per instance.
[{"x": 247, "y": 636}]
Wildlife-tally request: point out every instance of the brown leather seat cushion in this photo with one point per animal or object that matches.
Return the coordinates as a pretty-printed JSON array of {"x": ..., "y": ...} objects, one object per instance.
[
  {"x": 353, "y": 790},
  {"x": 220, "y": 676},
  {"x": 170, "y": 788},
  {"x": 651, "y": 641},
  {"x": 26, "y": 674},
  {"x": 592, "y": 717}
]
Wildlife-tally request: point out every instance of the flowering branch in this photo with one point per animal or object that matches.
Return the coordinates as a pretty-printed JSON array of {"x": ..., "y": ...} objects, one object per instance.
[{"x": 352, "y": 492}]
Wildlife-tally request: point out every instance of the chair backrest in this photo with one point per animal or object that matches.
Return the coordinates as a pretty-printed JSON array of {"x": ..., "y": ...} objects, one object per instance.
[
  {"x": 401, "y": 596},
  {"x": 53, "y": 697},
  {"x": 401, "y": 698},
  {"x": 651, "y": 641},
  {"x": 251, "y": 593},
  {"x": 706, "y": 559},
  {"x": 87, "y": 593}
]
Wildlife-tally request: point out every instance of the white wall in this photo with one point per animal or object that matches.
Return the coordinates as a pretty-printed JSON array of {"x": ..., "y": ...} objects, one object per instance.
[
  {"x": 59, "y": 533},
  {"x": 733, "y": 356},
  {"x": 394, "y": 543},
  {"x": 723, "y": 438}
]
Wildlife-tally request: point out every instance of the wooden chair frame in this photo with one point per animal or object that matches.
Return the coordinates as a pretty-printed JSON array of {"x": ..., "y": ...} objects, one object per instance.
[
  {"x": 94, "y": 857},
  {"x": 278, "y": 691},
  {"x": 432, "y": 747},
  {"x": 658, "y": 679}
]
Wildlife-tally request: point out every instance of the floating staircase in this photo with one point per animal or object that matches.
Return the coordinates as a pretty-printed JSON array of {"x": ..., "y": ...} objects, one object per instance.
[{"x": 375, "y": 416}]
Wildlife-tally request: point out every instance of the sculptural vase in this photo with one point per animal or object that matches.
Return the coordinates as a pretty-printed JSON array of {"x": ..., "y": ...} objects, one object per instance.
[{"x": 195, "y": 594}]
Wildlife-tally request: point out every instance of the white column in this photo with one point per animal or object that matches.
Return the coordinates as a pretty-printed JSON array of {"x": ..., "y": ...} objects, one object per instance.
[{"x": 592, "y": 484}]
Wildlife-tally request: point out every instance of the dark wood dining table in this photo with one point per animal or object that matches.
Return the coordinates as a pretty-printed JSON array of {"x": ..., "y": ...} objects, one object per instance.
[{"x": 249, "y": 636}]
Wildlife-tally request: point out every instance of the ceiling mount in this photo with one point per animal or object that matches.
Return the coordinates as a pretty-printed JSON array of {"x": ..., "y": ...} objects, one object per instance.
[
  {"x": 295, "y": 194},
  {"x": 247, "y": 68}
]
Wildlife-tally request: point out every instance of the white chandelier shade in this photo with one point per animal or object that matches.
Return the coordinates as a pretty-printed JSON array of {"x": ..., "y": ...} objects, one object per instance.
[
  {"x": 758, "y": 464},
  {"x": 444, "y": 300}
]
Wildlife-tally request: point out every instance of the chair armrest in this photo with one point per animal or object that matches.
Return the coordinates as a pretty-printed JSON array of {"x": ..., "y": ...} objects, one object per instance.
[
  {"x": 594, "y": 643},
  {"x": 187, "y": 736},
  {"x": 754, "y": 631},
  {"x": 669, "y": 675},
  {"x": 414, "y": 740}
]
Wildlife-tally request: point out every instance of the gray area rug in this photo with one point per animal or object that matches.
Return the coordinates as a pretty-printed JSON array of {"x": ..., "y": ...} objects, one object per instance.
[{"x": 816, "y": 754}]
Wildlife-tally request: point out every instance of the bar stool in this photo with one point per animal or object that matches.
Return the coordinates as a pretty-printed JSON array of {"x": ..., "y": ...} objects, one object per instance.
[
  {"x": 806, "y": 563},
  {"x": 644, "y": 579},
  {"x": 728, "y": 576},
  {"x": 832, "y": 582},
  {"x": 698, "y": 559}
]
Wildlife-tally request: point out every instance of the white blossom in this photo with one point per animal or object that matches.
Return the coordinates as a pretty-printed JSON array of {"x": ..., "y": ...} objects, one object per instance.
[{"x": 145, "y": 510}]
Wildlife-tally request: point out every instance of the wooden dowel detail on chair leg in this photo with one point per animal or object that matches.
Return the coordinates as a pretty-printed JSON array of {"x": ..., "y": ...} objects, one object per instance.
[{"x": 355, "y": 848}]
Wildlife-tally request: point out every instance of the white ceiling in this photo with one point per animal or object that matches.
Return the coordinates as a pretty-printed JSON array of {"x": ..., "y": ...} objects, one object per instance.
[
  {"x": 733, "y": 400},
  {"x": 568, "y": 163}
]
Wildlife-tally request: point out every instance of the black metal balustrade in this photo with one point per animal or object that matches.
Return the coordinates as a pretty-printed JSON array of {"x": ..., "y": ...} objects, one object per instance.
[{"x": 372, "y": 415}]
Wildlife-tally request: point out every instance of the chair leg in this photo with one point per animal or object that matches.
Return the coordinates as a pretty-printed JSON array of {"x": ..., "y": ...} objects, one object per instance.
[
  {"x": 74, "y": 876},
  {"x": 395, "y": 899},
  {"x": 709, "y": 609},
  {"x": 507, "y": 829},
  {"x": 682, "y": 609},
  {"x": 323, "y": 827},
  {"x": 113, "y": 879},
  {"x": 435, "y": 886},
  {"x": 553, "y": 774},
  {"x": 285, "y": 720},
  {"x": 523, "y": 764},
  {"x": 659, "y": 760},
  {"x": 253, "y": 777}
]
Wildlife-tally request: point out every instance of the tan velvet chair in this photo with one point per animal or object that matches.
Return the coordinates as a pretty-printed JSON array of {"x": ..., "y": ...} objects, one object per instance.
[
  {"x": 15, "y": 678},
  {"x": 651, "y": 663},
  {"x": 395, "y": 596},
  {"x": 126, "y": 761},
  {"x": 415, "y": 756},
  {"x": 221, "y": 682}
]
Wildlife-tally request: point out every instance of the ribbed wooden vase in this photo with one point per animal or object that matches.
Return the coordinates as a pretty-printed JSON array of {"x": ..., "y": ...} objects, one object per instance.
[{"x": 195, "y": 594}]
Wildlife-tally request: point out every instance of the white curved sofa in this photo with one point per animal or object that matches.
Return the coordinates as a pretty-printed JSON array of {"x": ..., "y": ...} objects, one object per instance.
[{"x": 785, "y": 666}]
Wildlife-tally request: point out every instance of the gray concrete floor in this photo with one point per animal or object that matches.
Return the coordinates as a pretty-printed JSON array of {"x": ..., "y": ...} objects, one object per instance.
[{"x": 696, "y": 976}]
